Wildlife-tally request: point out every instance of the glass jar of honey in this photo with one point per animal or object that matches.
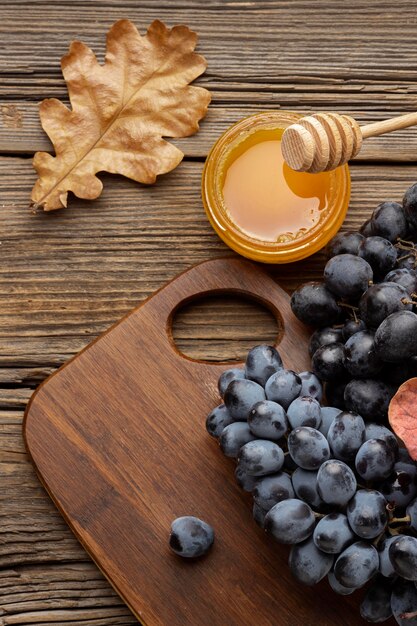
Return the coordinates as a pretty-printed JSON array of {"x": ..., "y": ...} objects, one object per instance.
[{"x": 262, "y": 208}]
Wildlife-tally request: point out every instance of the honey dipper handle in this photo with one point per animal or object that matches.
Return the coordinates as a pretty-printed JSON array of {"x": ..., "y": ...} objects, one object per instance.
[{"x": 387, "y": 126}]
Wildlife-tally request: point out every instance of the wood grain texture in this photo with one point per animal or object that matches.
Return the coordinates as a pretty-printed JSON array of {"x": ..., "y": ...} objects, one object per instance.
[
  {"x": 64, "y": 280},
  {"x": 119, "y": 429}
]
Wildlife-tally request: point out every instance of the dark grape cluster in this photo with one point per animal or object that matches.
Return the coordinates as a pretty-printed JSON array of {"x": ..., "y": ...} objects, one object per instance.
[
  {"x": 364, "y": 312},
  {"x": 330, "y": 483}
]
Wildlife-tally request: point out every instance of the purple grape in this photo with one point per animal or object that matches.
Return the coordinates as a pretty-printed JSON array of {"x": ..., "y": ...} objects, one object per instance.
[
  {"x": 356, "y": 565},
  {"x": 240, "y": 397},
  {"x": 217, "y": 420},
  {"x": 313, "y": 304},
  {"x": 262, "y": 361},
  {"x": 310, "y": 385},
  {"x": 190, "y": 537},
  {"x": 367, "y": 513},
  {"x": 304, "y": 411},
  {"x": 283, "y": 387},
  {"x": 308, "y": 447},
  {"x": 323, "y": 336},
  {"x": 308, "y": 564},
  {"x": 270, "y": 490},
  {"x": 290, "y": 521},
  {"x": 226, "y": 378},
  {"x": 260, "y": 457},
  {"x": 268, "y": 420}
]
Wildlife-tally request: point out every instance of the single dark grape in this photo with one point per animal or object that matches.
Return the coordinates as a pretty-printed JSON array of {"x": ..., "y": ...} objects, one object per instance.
[
  {"x": 367, "y": 513},
  {"x": 270, "y": 490},
  {"x": 356, "y": 565},
  {"x": 404, "y": 602},
  {"x": 333, "y": 533},
  {"x": 380, "y": 254},
  {"x": 378, "y": 431},
  {"x": 226, "y": 378},
  {"x": 403, "y": 556},
  {"x": 328, "y": 413},
  {"x": 385, "y": 566},
  {"x": 283, "y": 387},
  {"x": 261, "y": 457},
  {"x": 344, "y": 243},
  {"x": 382, "y": 300},
  {"x": 290, "y": 521},
  {"x": 337, "y": 587},
  {"x": 405, "y": 277},
  {"x": 233, "y": 437},
  {"x": 190, "y": 537},
  {"x": 367, "y": 228},
  {"x": 305, "y": 487},
  {"x": 376, "y": 605},
  {"x": 336, "y": 482},
  {"x": 401, "y": 487},
  {"x": 308, "y": 564},
  {"x": 217, "y": 420},
  {"x": 389, "y": 221},
  {"x": 308, "y": 447},
  {"x": 396, "y": 337},
  {"x": 351, "y": 327},
  {"x": 304, "y": 411},
  {"x": 348, "y": 276},
  {"x": 310, "y": 385},
  {"x": 243, "y": 479},
  {"x": 268, "y": 420},
  {"x": 361, "y": 360},
  {"x": 315, "y": 305},
  {"x": 370, "y": 398},
  {"x": 328, "y": 362},
  {"x": 240, "y": 396},
  {"x": 410, "y": 205},
  {"x": 374, "y": 460},
  {"x": 262, "y": 361},
  {"x": 346, "y": 435},
  {"x": 323, "y": 336}
]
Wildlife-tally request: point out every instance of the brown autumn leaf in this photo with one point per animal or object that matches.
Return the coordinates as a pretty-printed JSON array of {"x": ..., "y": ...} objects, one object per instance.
[
  {"x": 402, "y": 415},
  {"x": 120, "y": 112}
]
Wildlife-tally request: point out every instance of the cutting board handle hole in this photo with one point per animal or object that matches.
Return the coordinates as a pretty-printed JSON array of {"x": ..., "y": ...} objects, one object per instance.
[{"x": 223, "y": 326}]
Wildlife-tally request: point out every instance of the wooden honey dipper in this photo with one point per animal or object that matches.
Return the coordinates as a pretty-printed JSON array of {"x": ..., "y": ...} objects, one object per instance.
[{"x": 323, "y": 141}]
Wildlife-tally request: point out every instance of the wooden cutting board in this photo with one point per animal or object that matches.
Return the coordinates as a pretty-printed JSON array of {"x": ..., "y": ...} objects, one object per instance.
[{"x": 118, "y": 439}]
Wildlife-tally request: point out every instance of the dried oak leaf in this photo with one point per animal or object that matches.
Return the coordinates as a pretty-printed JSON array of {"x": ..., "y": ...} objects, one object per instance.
[
  {"x": 120, "y": 112},
  {"x": 402, "y": 415}
]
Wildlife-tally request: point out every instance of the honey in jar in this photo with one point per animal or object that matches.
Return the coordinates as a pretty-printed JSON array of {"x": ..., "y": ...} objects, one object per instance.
[{"x": 261, "y": 207}]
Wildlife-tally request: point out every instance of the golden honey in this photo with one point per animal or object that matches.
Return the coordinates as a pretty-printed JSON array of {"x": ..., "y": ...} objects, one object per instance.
[{"x": 262, "y": 208}]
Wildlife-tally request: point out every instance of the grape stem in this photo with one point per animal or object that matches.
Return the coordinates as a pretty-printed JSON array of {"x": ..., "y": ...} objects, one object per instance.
[
  {"x": 408, "y": 615},
  {"x": 349, "y": 306},
  {"x": 399, "y": 520},
  {"x": 403, "y": 244}
]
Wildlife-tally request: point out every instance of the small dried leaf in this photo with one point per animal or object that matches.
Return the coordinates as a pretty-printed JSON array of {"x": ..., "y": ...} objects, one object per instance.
[
  {"x": 402, "y": 415},
  {"x": 120, "y": 112}
]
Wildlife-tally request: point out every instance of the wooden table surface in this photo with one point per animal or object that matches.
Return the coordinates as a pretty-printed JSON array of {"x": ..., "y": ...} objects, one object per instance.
[{"x": 65, "y": 277}]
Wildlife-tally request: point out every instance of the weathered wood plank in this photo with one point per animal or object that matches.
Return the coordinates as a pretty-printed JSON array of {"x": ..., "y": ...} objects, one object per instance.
[
  {"x": 66, "y": 277},
  {"x": 261, "y": 42},
  {"x": 21, "y": 132},
  {"x": 67, "y": 593}
]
